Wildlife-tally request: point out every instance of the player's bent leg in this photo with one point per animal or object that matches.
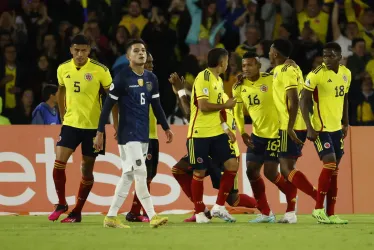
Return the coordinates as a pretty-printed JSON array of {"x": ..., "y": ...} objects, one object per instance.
[
  {"x": 59, "y": 178},
  {"x": 183, "y": 175},
  {"x": 272, "y": 174}
]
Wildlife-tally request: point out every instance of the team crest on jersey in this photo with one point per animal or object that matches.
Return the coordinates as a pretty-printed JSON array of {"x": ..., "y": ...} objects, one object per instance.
[
  {"x": 264, "y": 88},
  {"x": 345, "y": 78},
  {"x": 88, "y": 77},
  {"x": 140, "y": 82},
  {"x": 149, "y": 86},
  {"x": 327, "y": 145},
  {"x": 199, "y": 160}
]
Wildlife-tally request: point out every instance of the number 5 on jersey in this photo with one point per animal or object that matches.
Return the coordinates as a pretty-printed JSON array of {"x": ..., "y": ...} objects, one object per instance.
[{"x": 77, "y": 87}]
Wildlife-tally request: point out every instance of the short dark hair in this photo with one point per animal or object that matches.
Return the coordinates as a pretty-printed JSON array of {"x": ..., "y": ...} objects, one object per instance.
[
  {"x": 333, "y": 46},
  {"x": 284, "y": 47},
  {"x": 215, "y": 56},
  {"x": 48, "y": 90},
  {"x": 250, "y": 54},
  {"x": 134, "y": 41},
  {"x": 137, "y": 1},
  {"x": 80, "y": 40},
  {"x": 356, "y": 41}
]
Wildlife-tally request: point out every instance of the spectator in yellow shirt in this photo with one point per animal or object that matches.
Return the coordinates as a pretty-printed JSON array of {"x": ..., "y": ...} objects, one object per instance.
[
  {"x": 134, "y": 21},
  {"x": 314, "y": 17}
]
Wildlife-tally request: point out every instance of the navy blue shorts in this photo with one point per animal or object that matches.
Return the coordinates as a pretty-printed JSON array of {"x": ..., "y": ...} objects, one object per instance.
[
  {"x": 264, "y": 150},
  {"x": 330, "y": 143},
  {"x": 219, "y": 148},
  {"x": 288, "y": 148},
  {"x": 215, "y": 171},
  {"x": 152, "y": 158},
  {"x": 71, "y": 137}
]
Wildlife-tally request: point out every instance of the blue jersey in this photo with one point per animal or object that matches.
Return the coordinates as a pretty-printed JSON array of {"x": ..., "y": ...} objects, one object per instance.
[
  {"x": 44, "y": 114},
  {"x": 134, "y": 94}
]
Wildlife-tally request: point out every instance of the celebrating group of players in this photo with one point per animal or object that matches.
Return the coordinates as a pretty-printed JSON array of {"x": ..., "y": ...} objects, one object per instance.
[{"x": 284, "y": 109}]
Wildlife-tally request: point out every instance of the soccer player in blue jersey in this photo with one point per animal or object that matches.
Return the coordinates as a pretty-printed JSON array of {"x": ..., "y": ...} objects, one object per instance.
[{"x": 134, "y": 88}]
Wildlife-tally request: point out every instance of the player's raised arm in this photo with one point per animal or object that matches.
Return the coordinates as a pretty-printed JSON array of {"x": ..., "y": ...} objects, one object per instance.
[
  {"x": 178, "y": 88},
  {"x": 159, "y": 112},
  {"x": 306, "y": 102}
]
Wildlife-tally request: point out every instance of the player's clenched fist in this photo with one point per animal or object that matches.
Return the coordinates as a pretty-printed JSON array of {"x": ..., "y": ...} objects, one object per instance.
[{"x": 99, "y": 141}]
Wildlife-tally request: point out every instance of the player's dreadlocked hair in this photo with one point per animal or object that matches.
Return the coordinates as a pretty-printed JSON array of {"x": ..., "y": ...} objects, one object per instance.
[
  {"x": 333, "y": 46},
  {"x": 215, "y": 56}
]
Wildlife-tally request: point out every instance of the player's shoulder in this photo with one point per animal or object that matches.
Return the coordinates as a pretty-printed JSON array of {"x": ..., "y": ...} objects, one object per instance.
[
  {"x": 344, "y": 69},
  {"x": 205, "y": 75},
  {"x": 266, "y": 75},
  {"x": 64, "y": 65},
  {"x": 150, "y": 74},
  {"x": 319, "y": 70},
  {"x": 95, "y": 64}
]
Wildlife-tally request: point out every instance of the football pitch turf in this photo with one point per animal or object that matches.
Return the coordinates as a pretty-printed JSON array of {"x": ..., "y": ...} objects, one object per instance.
[{"x": 36, "y": 232}]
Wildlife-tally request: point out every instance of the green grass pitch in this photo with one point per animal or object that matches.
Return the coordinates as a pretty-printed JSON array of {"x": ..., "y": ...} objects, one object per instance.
[{"x": 36, "y": 232}]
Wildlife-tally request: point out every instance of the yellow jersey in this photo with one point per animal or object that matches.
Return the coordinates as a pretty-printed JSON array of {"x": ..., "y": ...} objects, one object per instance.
[
  {"x": 205, "y": 124},
  {"x": 152, "y": 124},
  {"x": 10, "y": 99},
  {"x": 318, "y": 24},
  {"x": 257, "y": 97},
  {"x": 231, "y": 122},
  {"x": 287, "y": 77},
  {"x": 329, "y": 89},
  {"x": 83, "y": 99}
]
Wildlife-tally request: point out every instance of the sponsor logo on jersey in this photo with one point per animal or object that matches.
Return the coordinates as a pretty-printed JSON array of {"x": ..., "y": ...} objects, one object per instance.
[
  {"x": 327, "y": 145},
  {"x": 149, "y": 86}
]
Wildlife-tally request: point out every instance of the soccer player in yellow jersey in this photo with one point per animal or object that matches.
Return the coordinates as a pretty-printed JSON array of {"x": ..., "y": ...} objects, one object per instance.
[
  {"x": 182, "y": 171},
  {"x": 79, "y": 101},
  {"x": 151, "y": 160},
  {"x": 328, "y": 87},
  {"x": 287, "y": 84},
  {"x": 208, "y": 135},
  {"x": 255, "y": 93}
]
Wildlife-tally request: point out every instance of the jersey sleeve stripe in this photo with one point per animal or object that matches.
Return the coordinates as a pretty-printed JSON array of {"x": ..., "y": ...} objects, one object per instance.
[
  {"x": 206, "y": 75},
  {"x": 284, "y": 69},
  {"x": 290, "y": 87},
  {"x": 155, "y": 96},
  {"x": 308, "y": 88},
  {"x": 99, "y": 64},
  {"x": 316, "y": 70},
  {"x": 202, "y": 97},
  {"x": 65, "y": 62},
  {"x": 113, "y": 97}
]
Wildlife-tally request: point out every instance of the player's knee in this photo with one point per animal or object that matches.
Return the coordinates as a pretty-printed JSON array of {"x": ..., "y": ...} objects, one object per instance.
[
  {"x": 270, "y": 173},
  {"x": 253, "y": 170},
  {"x": 232, "y": 198},
  {"x": 231, "y": 165},
  {"x": 199, "y": 173},
  {"x": 329, "y": 158}
]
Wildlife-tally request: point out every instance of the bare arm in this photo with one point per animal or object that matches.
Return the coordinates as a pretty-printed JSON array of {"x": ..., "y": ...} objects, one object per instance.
[
  {"x": 115, "y": 113},
  {"x": 184, "y": 104},
  {"x": 61, "y": 93},
  {"x": 305, "y": 106},
  {"x": 293, "y": 99},
  {"x": 345, "y": 111},
  {"x": 206, "y": 106},
  {"x": 335, "y": 22}
]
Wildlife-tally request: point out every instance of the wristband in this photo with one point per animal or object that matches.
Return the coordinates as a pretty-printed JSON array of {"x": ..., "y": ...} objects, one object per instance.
[
  {"x": 224, "y": 126},
  {"x": 182, "y": 92}
]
